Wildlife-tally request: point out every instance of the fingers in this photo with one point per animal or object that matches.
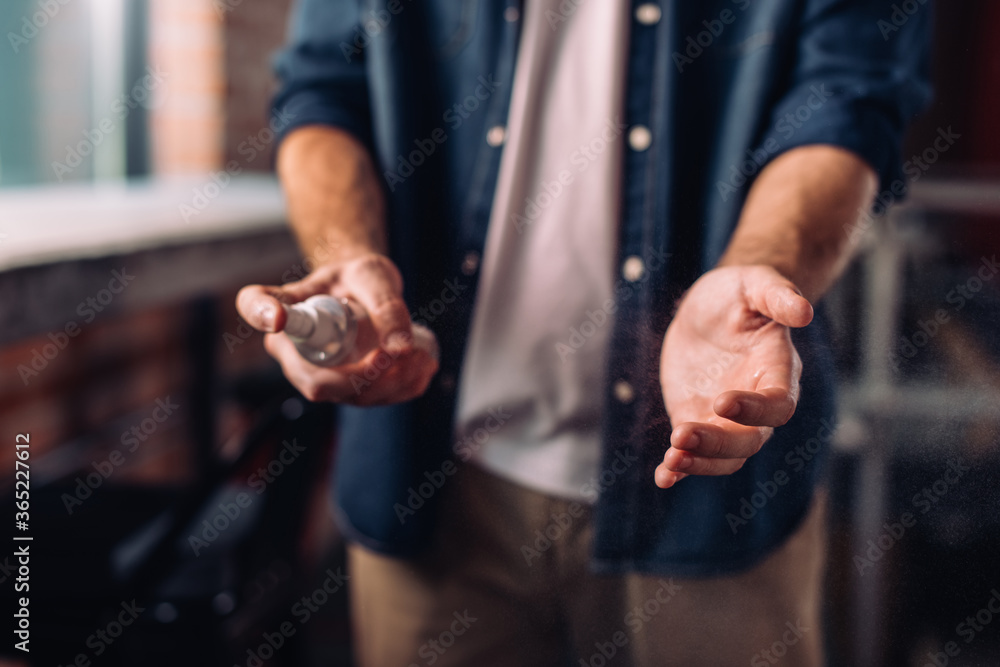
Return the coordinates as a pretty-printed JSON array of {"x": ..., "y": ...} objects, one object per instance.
[
  {"x": 376, "y": 284},
  {"x": 720, "y": 441},
  {"x": 377, "y": 379},
  {"x": 694, "y": 465},
  {"x": 372, "y": 280},
  {"x": 665, "y": 478},
  {"x": 777, "y": 298},
  {"x": 748, "y": 420},
  {"x": 400, "y": 363},
  {"x": 424, "y": 339},
  {"x": 761, "y": 376},
  {"x": 709, "y": 449},
  {"x": 261, "y": 307},
  {"x": 768, "y": 407}
]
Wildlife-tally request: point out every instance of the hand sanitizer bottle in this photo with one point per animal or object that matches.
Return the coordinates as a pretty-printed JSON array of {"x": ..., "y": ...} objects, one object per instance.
[{"x": 324, "y": 328}]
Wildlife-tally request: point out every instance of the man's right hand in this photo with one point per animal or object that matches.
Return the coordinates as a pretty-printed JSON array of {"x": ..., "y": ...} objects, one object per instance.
[{"x": 374, "y": 282}]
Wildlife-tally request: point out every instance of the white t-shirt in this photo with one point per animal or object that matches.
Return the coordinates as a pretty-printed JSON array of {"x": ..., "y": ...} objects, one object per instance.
[{"x": 548, "y": 264}]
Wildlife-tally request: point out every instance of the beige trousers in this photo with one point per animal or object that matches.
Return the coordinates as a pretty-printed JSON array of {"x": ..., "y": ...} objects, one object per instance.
[{"x": 485, "y": 595}]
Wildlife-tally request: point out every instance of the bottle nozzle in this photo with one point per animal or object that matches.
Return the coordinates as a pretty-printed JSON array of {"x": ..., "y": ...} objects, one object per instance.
[{"x": 323, "y": 328}]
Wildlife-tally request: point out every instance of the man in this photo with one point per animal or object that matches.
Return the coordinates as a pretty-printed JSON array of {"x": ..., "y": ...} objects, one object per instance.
[{"x": 540, "y": 184}]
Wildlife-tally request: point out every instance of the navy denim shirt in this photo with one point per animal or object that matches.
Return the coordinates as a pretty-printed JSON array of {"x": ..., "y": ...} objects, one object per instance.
[{"x": 722, "y": 87}]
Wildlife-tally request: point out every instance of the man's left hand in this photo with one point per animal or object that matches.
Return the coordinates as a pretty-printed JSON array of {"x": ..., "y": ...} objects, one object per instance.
[{"x": 728, "y": 369}]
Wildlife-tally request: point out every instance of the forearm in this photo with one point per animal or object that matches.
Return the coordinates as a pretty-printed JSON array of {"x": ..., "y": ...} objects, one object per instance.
[
  {"x": 336, "y": 206},
  {"x": 794, "y": 216}
]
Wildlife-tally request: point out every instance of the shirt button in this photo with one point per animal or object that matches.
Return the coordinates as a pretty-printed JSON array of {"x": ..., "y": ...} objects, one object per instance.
[
  {"x": 624, "y": 392},
  {"x": 633, "y": 268},
  {"x": 511, "y": 14},
  {"x": 470, "y": 263},
  {"x": 496, "y": 135},
  {"x": 648, "y": 13},
  {"x": 640, "y": 138},
  {"x": 447, "y": 382}
]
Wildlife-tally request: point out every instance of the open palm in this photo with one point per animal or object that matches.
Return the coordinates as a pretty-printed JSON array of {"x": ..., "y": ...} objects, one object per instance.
[{"x": 728, "y": 369}]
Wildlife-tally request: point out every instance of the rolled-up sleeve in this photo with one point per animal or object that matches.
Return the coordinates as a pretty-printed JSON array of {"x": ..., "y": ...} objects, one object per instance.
[
  {"x": 861, "y": 75},
  {"x": 322, "y": 71}
]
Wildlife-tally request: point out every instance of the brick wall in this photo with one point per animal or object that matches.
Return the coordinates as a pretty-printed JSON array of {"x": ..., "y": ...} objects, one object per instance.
[
  {"x": 90, "y": 393},
  {"x": 254, "y": 30},
  {"x": 216, "y": 54},
  {"x": 186, "y": 43}
]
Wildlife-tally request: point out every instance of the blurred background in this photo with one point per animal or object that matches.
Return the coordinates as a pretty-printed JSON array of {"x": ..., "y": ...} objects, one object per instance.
[{"x": 179, "y": 486}]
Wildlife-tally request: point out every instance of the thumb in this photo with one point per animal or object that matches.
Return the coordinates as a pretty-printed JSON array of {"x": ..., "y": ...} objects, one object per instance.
[
  {"x": 777, "y": 298},
  {"x": 262, "y": 307}
]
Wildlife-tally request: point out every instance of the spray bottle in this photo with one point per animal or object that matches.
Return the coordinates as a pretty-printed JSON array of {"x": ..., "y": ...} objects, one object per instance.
[{"x": 324, "y": 328}]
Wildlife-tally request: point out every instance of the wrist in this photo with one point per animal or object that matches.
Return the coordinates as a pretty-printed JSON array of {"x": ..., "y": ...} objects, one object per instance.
[
  {"x": 335, "y": 250},
  {"x": 344, "y": 254},
  {"x": 763, "y": 253},
  {"x": 805, "y": 276}
]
